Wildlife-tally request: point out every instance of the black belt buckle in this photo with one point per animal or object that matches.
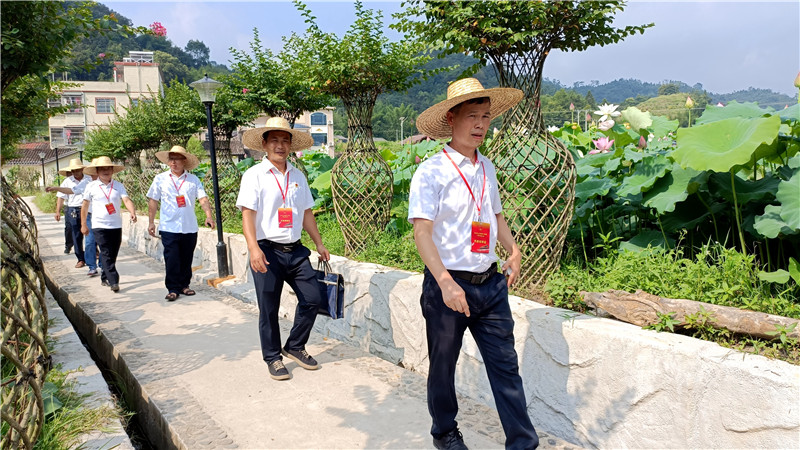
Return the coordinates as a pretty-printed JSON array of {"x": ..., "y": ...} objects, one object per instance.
[
  {"x": 480, "y": 278},
  {"x": 285, "y": 248}
]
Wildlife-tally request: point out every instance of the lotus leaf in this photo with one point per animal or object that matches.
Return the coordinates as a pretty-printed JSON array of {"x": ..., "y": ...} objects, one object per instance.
[
  {"x": 611, "y": 165},
  {"x": 688, "y": 214},
  {"x": 794, "y": 162},
  {"x": 790, "y": 113},
  {"x": 591, "y": 188},
  {"x": 583, "y": 210},
  {"x": 622, "y": 136},
  {"x": 779, "y": 276},
  {"x": 770, "y": 224},
  {"x": 794, "y": 270},
  {"x": 725, "y": 144},
  {"x": 663, "y": 126},
  {"x": 633, "y": 155},
  {"x": 322, "y": 182},
  {"x": 646, "y": 239},
  {"x": 733, "y": 109},
  {"x": 644, "y": 175},
  {"x": 598, "y": 159},
  {"x": 789, "y": 196},
  {"x": 638, "y": 119},
  {"x": 674, "y": 188},
  {"x": 746, "y": 191}
]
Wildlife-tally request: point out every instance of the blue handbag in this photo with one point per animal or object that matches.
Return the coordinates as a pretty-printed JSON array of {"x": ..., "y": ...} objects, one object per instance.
[{"x": 331, "y": 286}]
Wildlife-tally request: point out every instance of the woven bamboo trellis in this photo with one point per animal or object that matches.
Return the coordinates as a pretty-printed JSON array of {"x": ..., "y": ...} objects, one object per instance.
[
  {"x": 361, "y": 181},
  {"x": 535, "y": 171},
  {"x": 26, "y": 360},
  {"x": 228, "y": 178}
]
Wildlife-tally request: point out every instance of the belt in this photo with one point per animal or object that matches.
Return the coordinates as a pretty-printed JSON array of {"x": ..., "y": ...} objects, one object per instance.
[
  {"x": 285, "y": 248},
  {"x": 475, "y": 277}
]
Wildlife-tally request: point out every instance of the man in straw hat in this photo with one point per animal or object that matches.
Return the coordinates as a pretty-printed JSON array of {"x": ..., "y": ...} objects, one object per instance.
[
  {"x": 454, "y": 204},
  {"x": 71, "y": 192},
  {"x": 177, "y": 190},
  {"x": 276, "y": 206},
  {"x": 103, "y": 197}
]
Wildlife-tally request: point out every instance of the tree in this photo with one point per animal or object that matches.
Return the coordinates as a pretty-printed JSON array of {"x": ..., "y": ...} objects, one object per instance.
[
  {"x": 198, "y": 51},
  {"x": 36, "y": 36},
  {"x": 516, "y": 37},
  {"x": 357, "y": 68},
  {"x": 171, "y": 67}
]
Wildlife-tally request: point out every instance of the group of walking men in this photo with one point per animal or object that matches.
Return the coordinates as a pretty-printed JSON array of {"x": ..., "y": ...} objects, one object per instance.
[{"x": 454, "y": 206}]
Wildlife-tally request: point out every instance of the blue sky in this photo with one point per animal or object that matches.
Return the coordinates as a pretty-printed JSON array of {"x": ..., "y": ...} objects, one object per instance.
[{"x": 725, "y": 46}]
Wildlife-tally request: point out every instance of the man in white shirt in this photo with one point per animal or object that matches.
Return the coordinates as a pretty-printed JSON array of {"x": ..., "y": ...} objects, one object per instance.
[
  {"x": 103, "y": 197},
  {"x": 177, "y": 190},
  {"x": 454, "y": 204},
  {"x": 276, "y": 202},
  {"x": 71, "y": 192}
]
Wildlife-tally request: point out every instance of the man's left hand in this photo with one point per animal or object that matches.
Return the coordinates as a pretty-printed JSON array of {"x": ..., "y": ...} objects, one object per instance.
[
  {"x": 511, "y": 267},
  {"x": 324, "y": 254}
]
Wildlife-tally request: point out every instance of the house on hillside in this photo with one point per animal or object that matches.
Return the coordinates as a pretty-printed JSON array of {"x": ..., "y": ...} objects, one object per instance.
[
  {"x": 91, "y": 104},
  {"x": 95, "y": 103}
]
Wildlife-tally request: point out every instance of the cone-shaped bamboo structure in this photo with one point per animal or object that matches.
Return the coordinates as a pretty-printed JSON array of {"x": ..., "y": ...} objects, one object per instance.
[
  {"x": 361, "y": 181},
  {"x": 535, "y": 171}
]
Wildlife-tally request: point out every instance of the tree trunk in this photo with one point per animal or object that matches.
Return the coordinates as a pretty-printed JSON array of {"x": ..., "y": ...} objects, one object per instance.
[{"x": 642, "y": 309}]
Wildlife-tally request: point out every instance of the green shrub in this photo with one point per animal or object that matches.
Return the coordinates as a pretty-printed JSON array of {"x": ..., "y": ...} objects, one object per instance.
[{"x": 46, "y": 201}]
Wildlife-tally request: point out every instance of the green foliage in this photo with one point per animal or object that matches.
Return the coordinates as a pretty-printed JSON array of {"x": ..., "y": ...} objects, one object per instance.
[
  {"x": 715, "y": 274},
  {"x": 46, "y": 201},
  {"x": 278, "y": 85},
  {"x": 25, "y": 180},
  {"x": 727, "y": 176},
  {"x": 490, "y": 30},
  {"x": 363, "y": 63}
]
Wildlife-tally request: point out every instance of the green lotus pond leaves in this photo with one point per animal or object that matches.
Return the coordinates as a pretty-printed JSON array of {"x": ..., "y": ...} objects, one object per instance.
[
  {"x": 645, "y": 175},
  {"x": 674, "y": 188},
  {"x": 725, "y": 144},
  {"x": 789, "y": 196}
]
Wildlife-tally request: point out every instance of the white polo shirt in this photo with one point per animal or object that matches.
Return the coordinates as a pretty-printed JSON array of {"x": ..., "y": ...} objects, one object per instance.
[
  {"x": 260, "y": 191},
  {"x": 438, "y": 193},
  {"x": 98, "y": 195},
  {"x": 75, "y": 199},
  {"x": 166, "y": 188}
]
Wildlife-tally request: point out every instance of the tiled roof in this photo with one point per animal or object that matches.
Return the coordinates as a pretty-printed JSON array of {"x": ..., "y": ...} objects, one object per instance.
[{"x": 29, "y": 154}]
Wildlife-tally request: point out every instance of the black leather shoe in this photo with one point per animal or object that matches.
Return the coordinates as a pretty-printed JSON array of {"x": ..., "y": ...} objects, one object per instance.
[{"x": 451, "y": 441}]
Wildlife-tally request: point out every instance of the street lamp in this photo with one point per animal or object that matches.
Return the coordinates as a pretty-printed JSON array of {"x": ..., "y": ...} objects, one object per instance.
[
  {"x": 207, "y": 88},
  {"x": 41, "y": 156}
]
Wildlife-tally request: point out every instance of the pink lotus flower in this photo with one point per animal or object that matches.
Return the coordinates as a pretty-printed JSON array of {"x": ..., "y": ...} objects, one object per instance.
[
  {"x": 642, "y": 142},
  {"x": 689, "y": 102},
  {"x": 417, "y": 160},
  {"x": 158, "y": 29},
  {"x": 603, "y": 145},
  {"x": 101, "y": 55},
  {"x": 571, "y": 107},
  {"x": 245, "y": 90},
  {"x": 299, "y": 154}
]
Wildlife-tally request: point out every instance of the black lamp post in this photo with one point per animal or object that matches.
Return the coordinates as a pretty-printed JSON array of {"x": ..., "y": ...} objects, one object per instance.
[
  {"x": 41, "y": 156},
  {"x": 207, "y": 88},
  {"x": 81, "y": 145},
  {"x": 58, "y": 169}
]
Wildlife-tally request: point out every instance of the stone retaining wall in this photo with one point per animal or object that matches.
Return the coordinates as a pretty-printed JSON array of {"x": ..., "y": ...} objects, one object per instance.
[{"x": 591, "y": 381}]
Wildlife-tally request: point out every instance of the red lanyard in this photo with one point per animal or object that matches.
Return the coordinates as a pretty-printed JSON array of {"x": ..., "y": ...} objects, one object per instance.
[
  {"x": 111, "y": 188},
  {"x": 178, "y": 188},
  {"x": 283, "y": 193},
  {"x": 483, "y": 188}
]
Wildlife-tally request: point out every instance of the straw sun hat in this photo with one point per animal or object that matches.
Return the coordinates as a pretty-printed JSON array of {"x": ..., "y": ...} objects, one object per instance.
[
  {"x": 74, "y": 164},
  {"x": 300, "y": 140},
  {"x": 102, "y": 161},
  {"x": 192, "y": 161},
  {"x": 433, "y": 121}
]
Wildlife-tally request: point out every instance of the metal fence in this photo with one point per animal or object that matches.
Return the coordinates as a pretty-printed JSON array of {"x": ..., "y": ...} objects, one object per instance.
[{"x": 26, "y": 360}]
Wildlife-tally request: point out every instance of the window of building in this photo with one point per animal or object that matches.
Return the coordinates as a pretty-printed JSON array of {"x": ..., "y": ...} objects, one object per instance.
[
  {"x": 56, "y": 136},
  {"x": 74, "y": 102},
  {"x": 105, "y": 105},
  {"x": 74, "y": 135},
  {"x": 318, "y": 119},
  {"x": 320, "y": 138}
]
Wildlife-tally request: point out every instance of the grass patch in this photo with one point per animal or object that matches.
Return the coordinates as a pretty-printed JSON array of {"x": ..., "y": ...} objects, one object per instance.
[
  {"x": 46, "y": 201},
  {"x": 717, "y": 275},
  {"x": 64, "y": 428}
]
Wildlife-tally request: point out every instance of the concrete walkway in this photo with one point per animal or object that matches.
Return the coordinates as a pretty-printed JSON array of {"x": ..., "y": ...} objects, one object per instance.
[{"x": 194, "y": 369}]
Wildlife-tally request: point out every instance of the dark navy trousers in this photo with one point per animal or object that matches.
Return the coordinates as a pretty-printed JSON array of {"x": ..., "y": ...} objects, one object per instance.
[
  {"x": 109, "y": 241},
  {"x": 492, "y": 327},
  {"x": 295, "y": 269},
  {"x": 73, "y": 219},
  {"x": 178, "y": 256}
]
